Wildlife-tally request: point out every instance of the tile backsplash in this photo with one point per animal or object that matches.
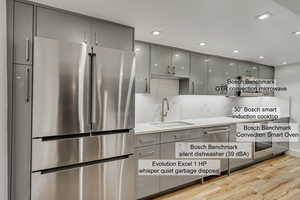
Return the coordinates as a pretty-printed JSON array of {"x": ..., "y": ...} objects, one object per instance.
[{"x": 148, "y": 106}]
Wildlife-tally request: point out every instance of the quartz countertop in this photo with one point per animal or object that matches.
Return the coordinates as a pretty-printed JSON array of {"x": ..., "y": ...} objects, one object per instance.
[{"x": 145, "y": 128}]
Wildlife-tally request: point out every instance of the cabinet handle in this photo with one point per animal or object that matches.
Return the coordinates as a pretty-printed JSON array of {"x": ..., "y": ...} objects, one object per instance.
[
  {"x": 85, "y": 39},
  {"x": 174, "y": 70},
  {"x": 96, "y": 41},
  {"x": 27, "y": 49},
  {"x": 147, "y": 141},
  {"x": 193, "y": 87},
  {"x": 146, "y": 80},
  {"x": 181, "y": 137},
  {"x": 147, "y": 154},
  {"x": 169, "y": 72},
  {"x": 27, "y": 99}
]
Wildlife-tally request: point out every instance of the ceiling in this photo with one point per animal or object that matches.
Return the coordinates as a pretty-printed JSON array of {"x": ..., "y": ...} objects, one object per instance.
[{"x": 225, "y": 25}]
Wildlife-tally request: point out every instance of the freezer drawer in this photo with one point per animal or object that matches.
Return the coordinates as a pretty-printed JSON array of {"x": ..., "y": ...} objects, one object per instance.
[
  {"x": 60, "y": 88},
  {"x": 114, "y": 180},
  {"x": 62, "y": 152}
]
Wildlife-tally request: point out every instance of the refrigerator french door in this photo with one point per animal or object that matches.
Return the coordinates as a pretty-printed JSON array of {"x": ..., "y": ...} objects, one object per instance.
[{"x": 83, "y": 119}]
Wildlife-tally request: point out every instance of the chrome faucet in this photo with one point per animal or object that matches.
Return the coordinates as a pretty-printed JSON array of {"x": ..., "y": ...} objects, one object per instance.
[{"x": 163, "y": 112}]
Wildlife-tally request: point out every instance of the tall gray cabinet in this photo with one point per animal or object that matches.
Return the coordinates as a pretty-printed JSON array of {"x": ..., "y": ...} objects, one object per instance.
[
  {"x": 22, "y": 77},
  {"x": 30, "y": 20}
]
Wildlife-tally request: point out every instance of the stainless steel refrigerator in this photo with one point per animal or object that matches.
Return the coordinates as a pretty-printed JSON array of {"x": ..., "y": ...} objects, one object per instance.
[{"x": 83, "y": 120}]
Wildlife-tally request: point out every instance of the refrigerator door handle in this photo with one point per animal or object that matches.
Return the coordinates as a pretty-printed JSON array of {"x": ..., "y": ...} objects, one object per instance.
[
  {"x": 27, "y": 98},
  {"x": 95, "y": 81}
]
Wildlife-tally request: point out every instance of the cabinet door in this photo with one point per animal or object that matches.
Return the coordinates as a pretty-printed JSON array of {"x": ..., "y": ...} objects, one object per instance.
[
  {"x": 161, "y": 60},
  {"x": 230, "y": 69},
  {"x": 62, "y": 26},
  {"x": 147, "y": 185},
  {"x": 236, "y": 163},
  {"x": 168, "y": 182},
  {"x": 23, "y": 31},
  {"x": 248, "y": 69},
  {"x": 216, "y": 78},
  {"x": 280, "y": 147},
  {"x": 111, "y": 35},
  {"x": 181, "y": 63},
  {"x": 266, "y": 72},
  {"x": 198, "y": 81},
  {"x": 21, "y": 153},
  {"x": 142, "y": 79}
]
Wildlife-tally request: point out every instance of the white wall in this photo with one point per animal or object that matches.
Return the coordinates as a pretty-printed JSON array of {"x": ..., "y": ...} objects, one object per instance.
[
  {"x": 3, "y": 103},
  {"x": 289, "y": 76},
  {"x": 148, "y": 106}
]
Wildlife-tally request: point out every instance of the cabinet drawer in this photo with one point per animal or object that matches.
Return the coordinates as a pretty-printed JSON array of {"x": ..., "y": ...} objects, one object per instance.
[
  {"x": 181, "y": 135},
  {"x": 147, "y": 139}
]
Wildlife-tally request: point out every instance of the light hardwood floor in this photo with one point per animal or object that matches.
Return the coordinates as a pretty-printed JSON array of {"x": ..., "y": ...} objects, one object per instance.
[{"x": 275, "y": 179}]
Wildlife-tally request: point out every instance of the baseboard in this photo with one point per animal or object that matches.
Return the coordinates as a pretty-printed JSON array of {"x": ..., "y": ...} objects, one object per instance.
[{"x": 294, "y": 152}]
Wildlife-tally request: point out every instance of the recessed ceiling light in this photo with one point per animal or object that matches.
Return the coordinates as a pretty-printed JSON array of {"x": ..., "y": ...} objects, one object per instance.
[
  {"x": 261, "y": 57},
  {"x": 206, "y": 60},
  {"x": 297, "y": 33},
  {"x": 176, "y": 55},
  {"x": 202, "y": 43},
  {"x": 264, "y": 16},
  {"x": 235, "y": 51},
  {"x": 155, "y": 33},
  {"x": 284, "y": 63}
]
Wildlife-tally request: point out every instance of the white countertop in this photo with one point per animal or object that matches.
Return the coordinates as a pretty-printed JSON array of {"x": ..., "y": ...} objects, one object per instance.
[{"x": 145, "y": 128}]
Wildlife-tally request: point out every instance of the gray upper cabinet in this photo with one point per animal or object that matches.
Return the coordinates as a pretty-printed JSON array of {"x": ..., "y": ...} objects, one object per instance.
[
  {"x": 180, "y": 63},
  {"x": 216, "y": 75},
  {"x": 248, "y": 69},
  {"x": 198, "y": 74},
  {"x": 161, "y": 60},
  {"x": 230, "y": 69},
  {"x": 23, "y": 32},
  {"x": 21, "y": 154},
  {"x": 112, "y": 35},
  {"x": 63, "y": 26},
  {"x": 142, "y": 76},
  {"x": 266, "y": 72}
]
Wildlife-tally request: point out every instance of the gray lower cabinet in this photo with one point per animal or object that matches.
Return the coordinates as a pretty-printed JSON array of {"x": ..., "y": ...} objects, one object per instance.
[
  {"x": 62, "y": 26},
  {"x": 161, "y": 60},
  {"x": 21, "y": 154},
  {"x": 142, "y": 73},
  {"x": 111, "y": 35},
  {"x": 236, "y": 163},
  {"x": 280, "y": 147},
  {"x": 147, "y": 185},
  {"x": 180, "y": 62},
  {"x": 198, "y": 82},
  {"x": 168, "y": 182},
  {"x": 23, "y": 32}
]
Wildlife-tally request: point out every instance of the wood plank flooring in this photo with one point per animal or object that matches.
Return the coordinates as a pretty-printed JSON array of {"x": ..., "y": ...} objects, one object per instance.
[{"x": 275, "y": 179}]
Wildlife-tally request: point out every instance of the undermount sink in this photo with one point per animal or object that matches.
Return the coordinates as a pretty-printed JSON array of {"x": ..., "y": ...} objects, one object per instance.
[{"x": 171, "y": 124}]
